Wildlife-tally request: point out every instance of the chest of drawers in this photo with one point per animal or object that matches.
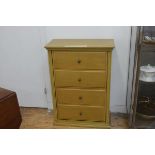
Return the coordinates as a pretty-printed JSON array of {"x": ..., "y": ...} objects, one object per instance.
[{"x": 80, "y": 78}]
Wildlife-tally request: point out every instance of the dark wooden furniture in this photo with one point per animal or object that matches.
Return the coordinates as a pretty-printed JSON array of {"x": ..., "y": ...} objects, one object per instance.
[
  {"x": 10, "y": 116},
  {"x": 141, "y": 93}
]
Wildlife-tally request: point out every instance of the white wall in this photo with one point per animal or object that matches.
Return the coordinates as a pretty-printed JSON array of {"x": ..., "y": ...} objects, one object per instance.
[
  {"x": 120, "y": 57},
  {"x": 21, "y": 64}
]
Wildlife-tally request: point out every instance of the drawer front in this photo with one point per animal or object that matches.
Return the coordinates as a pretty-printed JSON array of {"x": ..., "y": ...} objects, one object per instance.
[
  {"x": 80, "y": 60},
  {"x": 81, "y": 113},
  {"x": 85, "y": 79},
  {"x": 92, "y": 97}
]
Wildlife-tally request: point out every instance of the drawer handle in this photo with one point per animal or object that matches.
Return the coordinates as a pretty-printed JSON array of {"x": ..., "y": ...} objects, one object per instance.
[
  {"x": 80, "y": 97},
  {"x": 80, "y": 113},
  {"x": 79, "y": 79},
  {"x": 79, "y": 61}
]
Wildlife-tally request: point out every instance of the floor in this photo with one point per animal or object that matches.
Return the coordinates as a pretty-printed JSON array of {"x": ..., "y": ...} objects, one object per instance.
[{"x": 39, "y": 118}]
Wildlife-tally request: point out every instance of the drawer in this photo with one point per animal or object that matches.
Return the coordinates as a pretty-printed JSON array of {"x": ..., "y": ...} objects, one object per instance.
[
  {"x": 85, "y": 79},
  {"x": 80, "y": 60},
  {"x": 81, "y": 113},
  {"x": 92, "y": 97}
]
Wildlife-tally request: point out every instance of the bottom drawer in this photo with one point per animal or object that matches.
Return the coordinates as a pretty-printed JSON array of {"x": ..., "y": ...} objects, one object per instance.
[{"x": 89, "y": 113}]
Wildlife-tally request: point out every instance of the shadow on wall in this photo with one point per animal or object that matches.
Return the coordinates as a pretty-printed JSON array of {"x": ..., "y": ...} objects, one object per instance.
[{"x": 117, "y": 85}]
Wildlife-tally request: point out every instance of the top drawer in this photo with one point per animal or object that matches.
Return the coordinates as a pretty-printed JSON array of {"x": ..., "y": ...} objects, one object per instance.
[{"x": 80, "y": 60}]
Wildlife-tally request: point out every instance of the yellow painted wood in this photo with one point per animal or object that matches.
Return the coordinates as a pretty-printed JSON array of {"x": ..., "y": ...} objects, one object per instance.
[
  {"x": 77, "y": 112},
  {"x": 82, "y": 124},
  {"x": 82, "y": 79},
  {"x": 80, "y": 60},
  {"x": 108, "y": 88},
  {"x": 80, "y": 43},
  {"x": 51, "y": 69},
  {"x": 91, "y": 97},
  {"x": 81, "y": 67}
]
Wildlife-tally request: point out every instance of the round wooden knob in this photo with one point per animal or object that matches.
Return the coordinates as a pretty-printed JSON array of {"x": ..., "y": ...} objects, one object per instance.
[
  {"x": 79, "y": 79},
  {"x": 80, "y": 97},
  {"x": 79, "y": 61},
  {"x": 80, "y": 113}
]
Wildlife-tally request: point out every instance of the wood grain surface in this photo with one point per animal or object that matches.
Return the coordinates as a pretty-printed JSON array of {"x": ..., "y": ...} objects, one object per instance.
[
  {"x": 80, "y": 60},
  {"x": 39, "y": 118}
]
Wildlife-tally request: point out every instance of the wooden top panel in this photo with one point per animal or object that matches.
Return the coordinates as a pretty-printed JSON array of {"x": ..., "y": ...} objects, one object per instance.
[{"x": 80, "y": 43}]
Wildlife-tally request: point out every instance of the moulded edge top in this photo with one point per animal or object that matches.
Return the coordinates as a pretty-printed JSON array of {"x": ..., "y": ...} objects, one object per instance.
[{"x": 80, "y": 43}]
